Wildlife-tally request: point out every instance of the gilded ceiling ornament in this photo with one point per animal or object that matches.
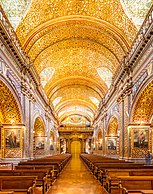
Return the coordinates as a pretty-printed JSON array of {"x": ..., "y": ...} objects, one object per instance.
[
  {"x": 15, "y": 10},
  {"x": 136, "y": 10},
  {"x": 41, "y": 12},
  {"x": 72, "y": 43}
]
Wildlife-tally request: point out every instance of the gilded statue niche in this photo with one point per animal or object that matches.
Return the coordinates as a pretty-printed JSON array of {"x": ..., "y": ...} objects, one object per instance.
[
  {"x": 42, "y": 12},
  {"x": 8, "y": 106},
  {"x": 143, "y": 108}
]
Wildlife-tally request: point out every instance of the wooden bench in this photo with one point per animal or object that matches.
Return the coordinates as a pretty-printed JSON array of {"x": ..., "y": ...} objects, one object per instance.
[
  {"x": 53, "y": 172},
  {"x": 147, "y": 191},
  {"x": 43, "y": 176},
  {"x": 19, "y": 184},
  {"x": 55, "y": 165},
  {"x": 6, "y": 164},
  {"x": 129, "y": 184},
  {"x": 124, "y": 172},
  {"x": 99, "y": 168}
]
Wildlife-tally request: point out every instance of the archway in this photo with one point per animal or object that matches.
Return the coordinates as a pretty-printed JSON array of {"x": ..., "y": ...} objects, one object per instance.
[
  {"x": 112, "y": 139},
  {"x": 143, "y": 109},
  {"x": 10, "y": 124},
  {"x": 141, "y": 117},
  {"x": 39, "y": 137},
  {"x": 75, "y": 148},
  {"x": 9, "y": 110}
]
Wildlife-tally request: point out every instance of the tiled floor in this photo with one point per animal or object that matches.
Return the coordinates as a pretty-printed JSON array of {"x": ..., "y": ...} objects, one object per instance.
[{"x": 76, "y": 179}]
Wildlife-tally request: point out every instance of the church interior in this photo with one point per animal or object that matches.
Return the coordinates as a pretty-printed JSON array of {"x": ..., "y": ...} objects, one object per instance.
[{"x": 76, "y": 96}]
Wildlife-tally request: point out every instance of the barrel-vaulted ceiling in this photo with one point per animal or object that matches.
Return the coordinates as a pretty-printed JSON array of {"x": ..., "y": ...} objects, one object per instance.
[{"x": 76, "y": 47}]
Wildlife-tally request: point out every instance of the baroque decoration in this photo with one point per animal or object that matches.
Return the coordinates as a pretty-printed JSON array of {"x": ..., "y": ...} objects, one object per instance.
[
  {"x": 112, "y": 127},
  {"x": 39, "y": 127},
  {"x": 76, "y": 47},
  {"x": 136, "y": 10},
  {"x": 15, "y": 10},
  {"x": 143, "y": 109},
  {"x": 9, "y": 110}
]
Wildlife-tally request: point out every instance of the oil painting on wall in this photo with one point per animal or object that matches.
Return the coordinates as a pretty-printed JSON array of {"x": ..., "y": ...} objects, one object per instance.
[
  {"x": 40, "y": 143},
  {"x": 12, "y": 138},
  {"x": 111, "y": 143},
  {"x": 140, "y": 138}
]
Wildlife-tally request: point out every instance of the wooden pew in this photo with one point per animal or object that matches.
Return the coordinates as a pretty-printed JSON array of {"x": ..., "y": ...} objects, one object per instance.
[
  {"x": 110, "y": 173},
  {"x": 99, "y": 168},
  {"x": 147, "y": 191},
  {"x": 53, "y": 172},
  {"x": 43, "y": 176},
  {"x": 55, "y": 165},
  {"x": 129, "y": 184},
  {"x": 19, "y": 184}
]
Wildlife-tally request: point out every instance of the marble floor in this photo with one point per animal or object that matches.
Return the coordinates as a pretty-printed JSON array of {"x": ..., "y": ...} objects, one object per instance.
[{"x": 76, "y": 179}]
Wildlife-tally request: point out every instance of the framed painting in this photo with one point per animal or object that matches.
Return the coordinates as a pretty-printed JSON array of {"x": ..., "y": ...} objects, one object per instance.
[
  {"x": 140, "y": 138},
  {"x": 40, "y": 143},
  {"x": 12, "y": 138},
  {"x": 111, "y": 142}
]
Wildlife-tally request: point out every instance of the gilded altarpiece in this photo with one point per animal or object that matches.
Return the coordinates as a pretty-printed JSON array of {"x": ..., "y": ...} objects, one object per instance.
[
  {"x": 140, "y": 139},
  {"x": 12, "y": 142}
]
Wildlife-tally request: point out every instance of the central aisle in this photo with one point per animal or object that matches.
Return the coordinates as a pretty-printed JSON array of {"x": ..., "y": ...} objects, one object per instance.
[{"x": 76, "y": 179}]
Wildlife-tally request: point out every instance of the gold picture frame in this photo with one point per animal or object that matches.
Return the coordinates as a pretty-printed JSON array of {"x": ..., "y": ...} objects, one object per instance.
[
  {"x": 111, "y": 143},
  {"x": 12, "y": 138},
  {"x": 140, "y": 138}
]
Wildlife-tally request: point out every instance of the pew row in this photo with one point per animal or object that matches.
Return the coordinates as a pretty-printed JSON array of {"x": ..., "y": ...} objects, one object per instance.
[
  {"x": 18, "y": 184},
  {"x": 129, "y": 184},
  {"x": 43, "y": 176}
]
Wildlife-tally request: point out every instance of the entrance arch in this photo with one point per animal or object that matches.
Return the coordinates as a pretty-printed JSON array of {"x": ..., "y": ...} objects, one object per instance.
[{"x": 75, "y": 148}]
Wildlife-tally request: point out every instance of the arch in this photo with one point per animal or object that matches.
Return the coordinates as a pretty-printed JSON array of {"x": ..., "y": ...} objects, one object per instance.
[
  {"x": 100, "y": 140},
  {"x": 112, "y": 128},
  {"x": 142, "y": 110},
  {"x": 52, "y": 140},
  {"x": 39, "y": 127},
  {"x": 10, "y": 111}
]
